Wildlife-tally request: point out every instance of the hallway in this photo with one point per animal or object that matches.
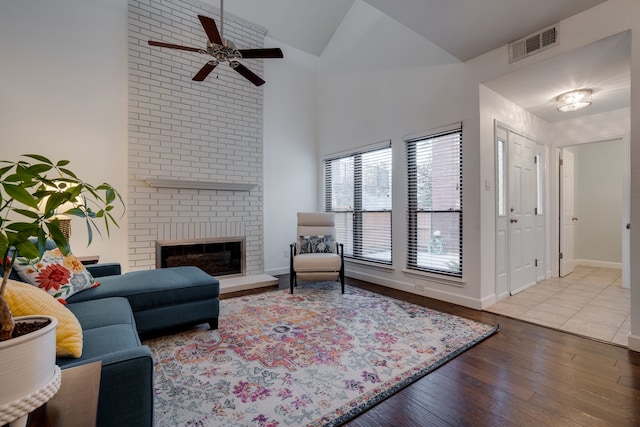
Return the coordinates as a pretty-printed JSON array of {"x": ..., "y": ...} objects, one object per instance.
[{"x": 589, "y": 302}]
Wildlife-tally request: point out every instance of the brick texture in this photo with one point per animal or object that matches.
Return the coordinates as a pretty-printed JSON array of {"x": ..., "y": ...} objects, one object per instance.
[{"x": 181, "y": 129}]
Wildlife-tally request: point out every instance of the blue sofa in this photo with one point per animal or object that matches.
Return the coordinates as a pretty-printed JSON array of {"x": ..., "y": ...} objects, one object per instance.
[{"x": 113, "y": 315}]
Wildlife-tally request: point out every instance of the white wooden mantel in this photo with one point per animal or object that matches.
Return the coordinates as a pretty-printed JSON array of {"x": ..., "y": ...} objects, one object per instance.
[{"x": 198, "y": 185}]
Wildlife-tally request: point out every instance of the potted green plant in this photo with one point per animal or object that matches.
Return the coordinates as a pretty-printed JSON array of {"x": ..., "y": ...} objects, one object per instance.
[{"x": 31, "y": 192}]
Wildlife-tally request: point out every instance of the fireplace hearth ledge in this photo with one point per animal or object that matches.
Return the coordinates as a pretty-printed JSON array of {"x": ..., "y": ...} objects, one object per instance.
[{"x": 242, "y": 283}]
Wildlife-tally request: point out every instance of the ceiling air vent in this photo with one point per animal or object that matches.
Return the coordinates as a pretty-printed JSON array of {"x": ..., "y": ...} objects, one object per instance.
[{"x": 533, "y": 43}]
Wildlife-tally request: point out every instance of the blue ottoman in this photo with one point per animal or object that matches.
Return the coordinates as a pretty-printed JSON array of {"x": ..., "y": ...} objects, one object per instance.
[{"x": 161, "y": 298}]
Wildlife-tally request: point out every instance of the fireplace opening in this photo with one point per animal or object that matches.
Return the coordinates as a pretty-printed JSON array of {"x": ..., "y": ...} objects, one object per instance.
[{"x": 217, "y": 257}]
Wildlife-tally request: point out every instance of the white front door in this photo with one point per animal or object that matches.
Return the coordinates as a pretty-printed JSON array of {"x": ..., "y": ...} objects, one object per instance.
[
  {"x": 567, "y": 214},
  {"x": 521, "y": 212},
  {"x": 502, "y": 223}
]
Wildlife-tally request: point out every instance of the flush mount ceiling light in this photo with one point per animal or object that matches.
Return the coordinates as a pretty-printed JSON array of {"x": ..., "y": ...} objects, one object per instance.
[{"x": 574, "y": 100}]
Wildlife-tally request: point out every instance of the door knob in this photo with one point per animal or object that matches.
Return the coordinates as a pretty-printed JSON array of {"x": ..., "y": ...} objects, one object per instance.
[
  {"x": 574, "y": 219},
  {"x": 512, "y": 220}
]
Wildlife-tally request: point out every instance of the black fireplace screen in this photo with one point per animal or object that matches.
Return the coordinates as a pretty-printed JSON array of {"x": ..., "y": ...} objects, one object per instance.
[{"x": 217, "y": 258}]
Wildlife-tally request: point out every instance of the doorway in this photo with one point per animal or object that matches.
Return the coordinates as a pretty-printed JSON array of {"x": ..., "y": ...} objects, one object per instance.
[
  {"x": 593, "y": 299},
  {"x": 593, "y": 201}
]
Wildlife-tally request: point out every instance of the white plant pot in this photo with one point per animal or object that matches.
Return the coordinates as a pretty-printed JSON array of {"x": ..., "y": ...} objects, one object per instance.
[{"x": 28, "y": 370}]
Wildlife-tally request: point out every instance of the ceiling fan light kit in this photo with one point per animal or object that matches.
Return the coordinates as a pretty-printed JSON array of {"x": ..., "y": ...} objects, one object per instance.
[
  {"x": 223, "y": 51},
  {"x": 574, "y": 100}
]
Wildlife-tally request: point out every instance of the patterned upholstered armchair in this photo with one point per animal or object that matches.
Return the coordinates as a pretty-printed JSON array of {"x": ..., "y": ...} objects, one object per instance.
[{"x": 316, "y": 256}]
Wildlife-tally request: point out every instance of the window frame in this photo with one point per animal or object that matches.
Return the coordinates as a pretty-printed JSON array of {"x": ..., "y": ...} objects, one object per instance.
[
  {"x": 501, "y": 183},
  {"x": 356, "y": 247},
  {"x": 413, "y": 262}
]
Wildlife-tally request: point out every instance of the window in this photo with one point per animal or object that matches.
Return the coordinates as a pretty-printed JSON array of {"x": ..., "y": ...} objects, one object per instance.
[
  {"x": 358, "y": 190},
  {"x": 539, "y": 184},
  {"x": 435, "y": 202},
  {"x": 501, "y": 185}
]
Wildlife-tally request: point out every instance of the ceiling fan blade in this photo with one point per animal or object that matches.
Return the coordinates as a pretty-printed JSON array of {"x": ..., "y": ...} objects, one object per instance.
[
  {"x": 211, "y": 29},
  {"x": 204, "y": 71},
  {"x": 247, "y": 73},
  {"x": 174, "y": 46},
  {"x": 275, "y": 52}
]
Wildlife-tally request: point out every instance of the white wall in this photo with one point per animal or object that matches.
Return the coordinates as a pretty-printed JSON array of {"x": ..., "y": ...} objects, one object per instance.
[
  {"x": 63, "y": 94},
  {"x": 290, "y": 150},
  {"x": 595, "y": 127}
]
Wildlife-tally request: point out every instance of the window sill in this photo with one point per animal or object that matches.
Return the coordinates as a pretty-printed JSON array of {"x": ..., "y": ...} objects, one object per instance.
[
  {"x": 359, "y": 262},
  {"x": 437, "y": 278}
]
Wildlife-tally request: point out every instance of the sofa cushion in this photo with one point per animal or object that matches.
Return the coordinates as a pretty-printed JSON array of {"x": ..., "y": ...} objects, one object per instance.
[
  {"x": 155, "y": 288},
  {"x": 58, "y": 274},
  {"x": 26, "y": 300},
  {"x": 108, "y": 326},
  {"x": 102, "y": 312},
  {"x": 109, "y": 339}
]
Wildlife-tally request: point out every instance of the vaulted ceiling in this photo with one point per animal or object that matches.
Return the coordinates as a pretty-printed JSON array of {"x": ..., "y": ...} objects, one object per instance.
[
  {"x": 464, "y": 28},
  {"x": 467, "y": 29}
]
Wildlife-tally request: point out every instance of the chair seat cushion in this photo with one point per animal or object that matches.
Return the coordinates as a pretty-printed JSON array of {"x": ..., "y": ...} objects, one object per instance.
[{"x": 316, "y": 262}]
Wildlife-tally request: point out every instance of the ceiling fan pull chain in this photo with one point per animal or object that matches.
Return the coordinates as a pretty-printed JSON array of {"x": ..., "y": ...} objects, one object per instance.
[{"x": 222, "y": 22}]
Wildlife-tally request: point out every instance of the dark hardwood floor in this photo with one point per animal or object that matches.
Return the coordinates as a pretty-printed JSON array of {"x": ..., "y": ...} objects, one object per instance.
[{"x": 525, "y": 375}]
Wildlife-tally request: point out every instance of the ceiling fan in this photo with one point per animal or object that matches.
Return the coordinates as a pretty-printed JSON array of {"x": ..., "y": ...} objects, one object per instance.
[{"x": 223, "y": 50}]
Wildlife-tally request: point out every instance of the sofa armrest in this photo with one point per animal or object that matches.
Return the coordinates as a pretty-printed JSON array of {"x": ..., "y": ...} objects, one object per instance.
[
  {"x": 104, "y": 269},
  {"x": 112, "y": 358},
  {"x": 126, "y": 388}
]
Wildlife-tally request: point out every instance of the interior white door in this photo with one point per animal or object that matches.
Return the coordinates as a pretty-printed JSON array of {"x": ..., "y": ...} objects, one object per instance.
[
  {"x": 521, "y": 213},
  {"x": 567, "y": 214}
]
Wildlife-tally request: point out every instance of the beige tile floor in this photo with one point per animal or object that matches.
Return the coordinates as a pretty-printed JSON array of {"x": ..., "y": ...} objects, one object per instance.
[{"x": 589, "y": 302}]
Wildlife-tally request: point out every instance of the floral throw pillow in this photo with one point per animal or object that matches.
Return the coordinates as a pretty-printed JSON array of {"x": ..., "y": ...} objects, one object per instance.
[
  {"x": 59, "y": 275},
  {"x": 316, "y": 244}
]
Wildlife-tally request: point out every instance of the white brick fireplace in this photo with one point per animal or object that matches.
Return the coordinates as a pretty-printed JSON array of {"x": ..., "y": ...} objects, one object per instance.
[{"x": 195, "y": 148}]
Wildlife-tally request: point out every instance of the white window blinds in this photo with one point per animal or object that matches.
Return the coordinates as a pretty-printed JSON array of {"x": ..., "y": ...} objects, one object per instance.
[
  {"x": 358, "y": 190},
  {"x": 434, "y": 165}
]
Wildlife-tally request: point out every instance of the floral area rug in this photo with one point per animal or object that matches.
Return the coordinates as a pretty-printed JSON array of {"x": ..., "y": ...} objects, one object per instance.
[{"x": 315, "y": 358}]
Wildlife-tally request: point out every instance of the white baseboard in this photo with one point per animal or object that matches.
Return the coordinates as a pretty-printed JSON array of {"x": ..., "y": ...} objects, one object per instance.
[
  {"x": 427, "y": 292},
  {"x": 598, "y": 264},
  {"x": 634, "y": 342},
  {"x": 489, "y": 301},
  {"x": 277, "y": 271}
]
